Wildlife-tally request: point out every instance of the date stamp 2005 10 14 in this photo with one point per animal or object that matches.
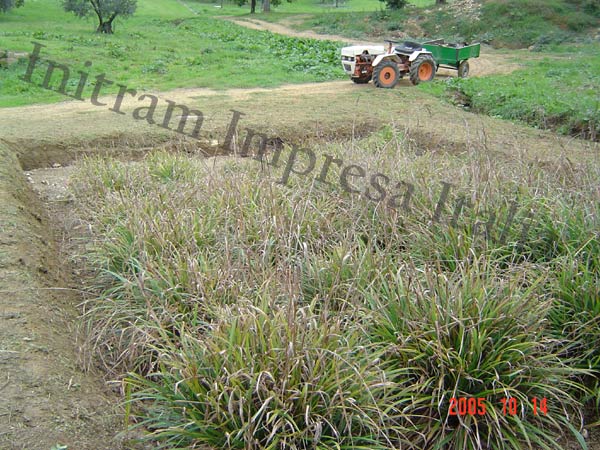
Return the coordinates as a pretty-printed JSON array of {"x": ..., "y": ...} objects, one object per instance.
[{"x": 472, "y": 406}]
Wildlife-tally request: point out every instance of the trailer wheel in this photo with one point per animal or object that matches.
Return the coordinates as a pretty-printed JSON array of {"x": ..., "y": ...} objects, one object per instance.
[
  {"x": 463, "y": 69},
  {"x": 422, "y": 69},
  {"x": 386, "y": 75}
]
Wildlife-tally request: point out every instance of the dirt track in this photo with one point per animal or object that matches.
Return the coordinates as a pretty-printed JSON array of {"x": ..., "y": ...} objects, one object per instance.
[{"x": 490, "y": 62}]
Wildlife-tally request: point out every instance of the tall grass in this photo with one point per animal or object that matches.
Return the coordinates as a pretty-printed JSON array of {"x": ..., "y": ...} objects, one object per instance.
[
  {"x": 471, "y": 335},
  {"x": 270, "y": 378},
  {"x": 248, "y": 314}
]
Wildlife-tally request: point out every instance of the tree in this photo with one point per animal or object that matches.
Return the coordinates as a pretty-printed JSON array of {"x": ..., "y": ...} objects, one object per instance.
[
  {"x": 266, "y": 4},
  {"x": 105, "y": 10},
  {"x": 440, "y": 2},
  {"x": 395, "y": 4},
  {"x": 5, "y": 5}
]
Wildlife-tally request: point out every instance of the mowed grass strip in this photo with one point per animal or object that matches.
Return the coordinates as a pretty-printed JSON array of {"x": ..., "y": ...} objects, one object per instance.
[{"x": 163, "y": 46}]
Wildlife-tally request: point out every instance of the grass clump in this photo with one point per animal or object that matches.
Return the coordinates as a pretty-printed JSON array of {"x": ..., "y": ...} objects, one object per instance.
[
  {"x": 270, "y": 378},
  {"x": 473, "y": 336}
]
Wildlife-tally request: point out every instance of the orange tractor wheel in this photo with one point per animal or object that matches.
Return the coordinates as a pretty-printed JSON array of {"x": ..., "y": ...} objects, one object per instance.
[
  {"x": 386, "y": 75},
  {"x": 422, "y": 69}
]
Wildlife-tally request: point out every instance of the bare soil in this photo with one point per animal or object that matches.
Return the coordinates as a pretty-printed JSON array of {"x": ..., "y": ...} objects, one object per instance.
[{"x": 47, "y": 399}]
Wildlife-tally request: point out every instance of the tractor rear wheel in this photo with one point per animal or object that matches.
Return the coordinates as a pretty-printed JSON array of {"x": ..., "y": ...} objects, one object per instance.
[
  {"x": 463, "y": 69},
  {"x": 422, "y": 69},
  {"x": 386, "y": 75}
]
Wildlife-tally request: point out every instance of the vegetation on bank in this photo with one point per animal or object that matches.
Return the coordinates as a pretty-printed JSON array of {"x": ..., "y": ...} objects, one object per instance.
[
  {"x": 244, "y": 313},
  {"x": 557, "y": 92},
  {"x": 500, "y": 23},
  {"x": 196, "y": 50}
]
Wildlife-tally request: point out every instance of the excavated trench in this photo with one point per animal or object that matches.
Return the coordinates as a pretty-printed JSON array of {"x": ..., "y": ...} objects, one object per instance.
[{"x": 47, "y": 400}]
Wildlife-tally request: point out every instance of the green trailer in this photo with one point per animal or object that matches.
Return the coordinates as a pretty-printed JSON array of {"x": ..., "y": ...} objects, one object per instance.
[{"x": 452, "y": 56}]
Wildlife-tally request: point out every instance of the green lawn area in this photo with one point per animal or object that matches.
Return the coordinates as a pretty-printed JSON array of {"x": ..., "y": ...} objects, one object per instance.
[{"x": 164, "y": 46}]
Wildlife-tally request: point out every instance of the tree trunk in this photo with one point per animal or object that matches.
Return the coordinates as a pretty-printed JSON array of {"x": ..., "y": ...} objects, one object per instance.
[
  {"x": 440, "y": 2},
  {"x": 252, "y": 6},
  {"x": 105, "y": 27},
  {"x": 266, "y": 5}
]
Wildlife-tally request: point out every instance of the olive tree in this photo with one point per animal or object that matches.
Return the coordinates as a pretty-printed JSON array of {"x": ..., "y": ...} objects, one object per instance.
[{"x": 105, "y": 10}]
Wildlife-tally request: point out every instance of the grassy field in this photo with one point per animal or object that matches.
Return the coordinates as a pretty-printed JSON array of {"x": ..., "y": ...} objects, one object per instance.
[
  {"x": 164, "y": 46},
  {"x": 342, "y": 294}
]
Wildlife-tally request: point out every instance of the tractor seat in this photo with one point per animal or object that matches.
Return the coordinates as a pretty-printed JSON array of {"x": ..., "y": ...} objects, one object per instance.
[{"x": 406, "y": 48}]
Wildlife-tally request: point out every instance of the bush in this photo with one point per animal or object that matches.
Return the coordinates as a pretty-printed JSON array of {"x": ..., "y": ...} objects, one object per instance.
[
  {"x": 395, "y": 4},
  {"x": 6, "y": 5}
]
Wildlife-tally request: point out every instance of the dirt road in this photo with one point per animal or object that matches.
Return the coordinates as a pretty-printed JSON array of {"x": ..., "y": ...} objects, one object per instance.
[{"x": 490, "y": 62}]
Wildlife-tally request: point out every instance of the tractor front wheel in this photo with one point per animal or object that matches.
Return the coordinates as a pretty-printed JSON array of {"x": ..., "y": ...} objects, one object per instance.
[
  {"x": 386, "y": 75},
  {"x": 422, "y": 69},
  {"x": 463, "y": 69}
]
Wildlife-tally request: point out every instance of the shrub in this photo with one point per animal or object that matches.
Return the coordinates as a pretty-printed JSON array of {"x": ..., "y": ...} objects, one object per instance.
[{"x": 395, "y": 4}]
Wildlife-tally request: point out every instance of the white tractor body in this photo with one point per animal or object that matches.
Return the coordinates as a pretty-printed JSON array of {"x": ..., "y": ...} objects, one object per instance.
[
  {"x": 394, "y": 57},
  {"x": 349, "y": 55}
]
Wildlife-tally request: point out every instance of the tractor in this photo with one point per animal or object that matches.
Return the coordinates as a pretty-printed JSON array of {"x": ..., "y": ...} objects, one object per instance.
[{"x": 386, "y": 65}]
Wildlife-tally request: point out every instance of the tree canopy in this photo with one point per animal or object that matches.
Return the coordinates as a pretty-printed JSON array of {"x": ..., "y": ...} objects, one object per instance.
[
  {"x": 5, "y": 5},
  {"x": 105, "y": 10}
]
